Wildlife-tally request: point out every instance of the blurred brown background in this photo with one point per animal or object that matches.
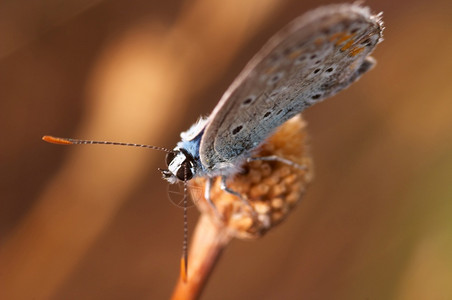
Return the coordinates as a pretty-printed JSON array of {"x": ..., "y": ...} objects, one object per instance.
[{"x": 95, "y": 222}]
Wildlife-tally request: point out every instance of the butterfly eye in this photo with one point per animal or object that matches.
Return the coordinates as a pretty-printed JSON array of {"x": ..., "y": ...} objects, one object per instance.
[
  {"x": 184, "y": 172},
  {"x": 169, "y": 157}
]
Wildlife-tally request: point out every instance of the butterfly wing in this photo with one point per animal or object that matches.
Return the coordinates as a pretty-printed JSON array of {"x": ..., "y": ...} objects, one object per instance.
[{"x": 314, "y": 57}]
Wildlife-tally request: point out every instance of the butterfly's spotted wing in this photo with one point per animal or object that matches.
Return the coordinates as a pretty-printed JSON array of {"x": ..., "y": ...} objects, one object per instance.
[{"x": 314, "y": 57}]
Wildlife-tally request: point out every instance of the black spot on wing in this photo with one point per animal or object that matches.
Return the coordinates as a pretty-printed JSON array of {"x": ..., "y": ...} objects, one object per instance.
[{"x": 237, "y": 129}]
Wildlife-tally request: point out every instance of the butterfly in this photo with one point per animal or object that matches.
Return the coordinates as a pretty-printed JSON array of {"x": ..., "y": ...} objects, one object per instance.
[
  {"x": 311, "y": 59},
  {"x": 314, "y": 57}
]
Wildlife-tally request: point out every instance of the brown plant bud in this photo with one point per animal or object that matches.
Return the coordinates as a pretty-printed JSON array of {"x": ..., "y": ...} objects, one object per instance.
[{"x": 272, "y": 188}]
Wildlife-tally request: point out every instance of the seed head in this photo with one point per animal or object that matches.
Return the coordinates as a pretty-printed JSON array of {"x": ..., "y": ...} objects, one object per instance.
[{"x": 272, "y": 188}]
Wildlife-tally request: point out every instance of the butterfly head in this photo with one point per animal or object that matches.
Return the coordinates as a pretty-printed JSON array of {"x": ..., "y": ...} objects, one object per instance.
[{"x": 181, "y": 166}]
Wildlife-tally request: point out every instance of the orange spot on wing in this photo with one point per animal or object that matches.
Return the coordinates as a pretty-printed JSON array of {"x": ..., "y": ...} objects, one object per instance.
[
  {"x": 348, "y": 45},
  {"x": 355, "y": 51},
  {"x": 336, "y": 36},
  {"x": 342, "y": 37}
]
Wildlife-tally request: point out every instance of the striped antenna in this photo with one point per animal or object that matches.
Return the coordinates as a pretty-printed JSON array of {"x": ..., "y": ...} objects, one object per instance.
[
  {"x": 184, "y": 260},
  {"x": 66, "y": 141}
]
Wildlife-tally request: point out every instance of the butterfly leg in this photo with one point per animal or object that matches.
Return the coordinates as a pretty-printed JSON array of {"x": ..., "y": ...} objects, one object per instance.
[
  {"x": 225, "y": 188},
  {"x": 278, "y": 159},
  {"x": 207, "y": 190}
]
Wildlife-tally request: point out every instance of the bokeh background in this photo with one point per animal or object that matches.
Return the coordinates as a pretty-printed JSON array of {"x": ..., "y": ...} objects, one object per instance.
[{"x": 95, "y": 222}]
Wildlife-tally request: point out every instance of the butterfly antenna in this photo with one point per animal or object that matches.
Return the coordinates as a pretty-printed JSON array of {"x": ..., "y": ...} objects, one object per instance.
[
  {"x": 184, "y": 259},
  {"x": 67, "y": 141}
]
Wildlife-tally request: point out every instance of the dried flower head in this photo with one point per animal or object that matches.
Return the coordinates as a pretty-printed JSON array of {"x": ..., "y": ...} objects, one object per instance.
[{"x": 272, "y": 188}]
